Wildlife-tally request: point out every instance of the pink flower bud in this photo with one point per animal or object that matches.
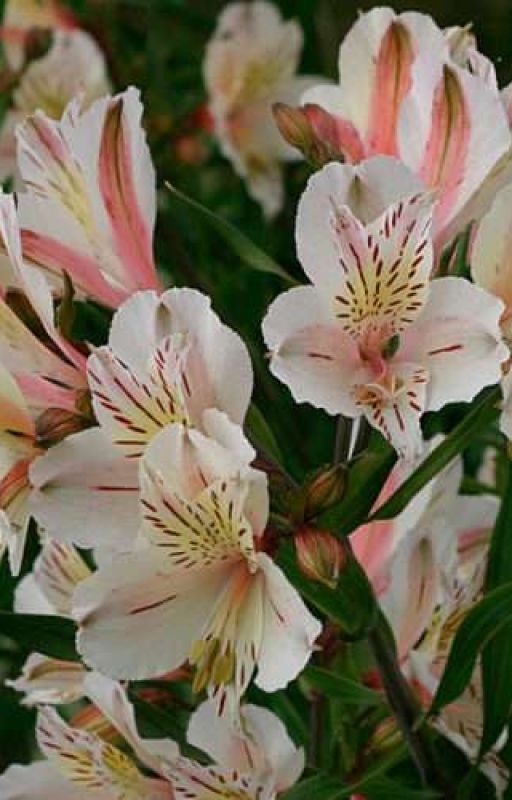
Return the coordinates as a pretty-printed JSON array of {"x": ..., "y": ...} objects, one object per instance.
[{"x": 320, "y": 555}]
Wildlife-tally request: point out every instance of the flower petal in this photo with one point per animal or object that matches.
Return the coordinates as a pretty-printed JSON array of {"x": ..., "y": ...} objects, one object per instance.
[
  {"x": 367, "y": 189},
  {"x": 289, "y": 630},
  {"x": 49, "y": 681},
  {"x": 310, "y": 352},
  {"x": 137, "y": 621},
  {"x": 86, "y": 492},
  {"x": 39, "y": 781},
  {"x": 458, "y": 339}
]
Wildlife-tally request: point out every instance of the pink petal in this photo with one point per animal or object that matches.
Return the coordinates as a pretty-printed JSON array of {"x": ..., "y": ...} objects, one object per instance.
[{"x": 131, "y": 232}]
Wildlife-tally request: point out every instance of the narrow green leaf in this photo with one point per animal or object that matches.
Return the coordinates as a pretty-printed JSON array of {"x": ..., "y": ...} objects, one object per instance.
[
  {"x": 479, "y": 417},
  {"x": 374, "y": 785},
  {"x": 49, "y": 635},
  {"x": 337, "y": 687},
  {"x": 247, "y": 251},
  {"x": 387, "y": 789},
  {"x": 321, "y": 787},
  {"x": 497, "y": 657},
  {"x": 260, "y": 433},
  {"x": 483, "y": 623}
]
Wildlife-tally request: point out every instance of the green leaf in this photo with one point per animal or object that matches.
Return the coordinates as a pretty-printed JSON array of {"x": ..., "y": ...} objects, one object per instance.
[
  {"x": 351, "y": 603},
  {"x": 483, "y": 623},
  {"x": 375, "y": 785},
  {"x": 479, "y": 417},
  {"x": 387, "y": 789},
  {"x": 497, "y": 657},
  {"x": 49, "y": 635},
  {"x": 365, "y": 479},
  {"x": 247, "y": 251},
  {"x": 260, "y": 433},
  {"x": 337, "y": 687}
]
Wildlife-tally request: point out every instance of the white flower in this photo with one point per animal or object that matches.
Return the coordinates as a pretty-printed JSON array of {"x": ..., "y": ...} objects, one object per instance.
[
  {"x": 373, "y": 335},
  {"x": 168, "y": 359},
  {"x": 250, "y": 64},
  {"x": 203, "y": 589}
]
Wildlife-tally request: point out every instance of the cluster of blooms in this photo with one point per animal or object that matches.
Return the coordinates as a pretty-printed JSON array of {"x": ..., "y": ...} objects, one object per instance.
[{"x": 135, "y": 450}]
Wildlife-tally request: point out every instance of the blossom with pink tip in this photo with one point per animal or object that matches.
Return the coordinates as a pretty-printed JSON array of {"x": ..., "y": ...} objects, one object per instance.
[
  {"x": 90, "y": 201},
  {"x": 373, "y": 336},
  {"x": 403, "y": 92}
]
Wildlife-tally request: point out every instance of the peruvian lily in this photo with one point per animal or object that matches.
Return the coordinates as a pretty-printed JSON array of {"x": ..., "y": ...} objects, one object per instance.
[
  {"x": 250, "y": 64},
  {"x": 439, "y": 546},
  {"x": 23, "y": 16},
  {"x": 202, "y": 588},
  {"x": 373, "y": 336},
  {"x": 168, "y": 359},
  {"x": 462, "y": 720},
  {"x": 402, "y": 93},
  {"x": 42, "y": 396},
  {"x": 254, "y": 757},
  {"x": 81, "y": 765},
  {"x": 73, "y": 66},
  {"x": 90, "y": 201},
  {"x": 491, "y": 268},
  {"x": 48, "y": 589}
]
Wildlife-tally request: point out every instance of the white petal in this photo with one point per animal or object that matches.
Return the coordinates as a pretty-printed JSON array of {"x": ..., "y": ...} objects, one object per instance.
[
  {"x": 137, "y": 621},
  {"x": 46, "y": 681},
  {"x": 491, "y": 259},
  {"x": 310, "y": 352},
  {"x": 58, "y": 570},
  {"x": 40, "y": 781},
  {"x": 289, "y": 631},
  {"x": 86, "y": 492},
  {"x": 458, "y": 339},
  {"x": 367, "y": 189},
  {"x": 111, "y": 699}
]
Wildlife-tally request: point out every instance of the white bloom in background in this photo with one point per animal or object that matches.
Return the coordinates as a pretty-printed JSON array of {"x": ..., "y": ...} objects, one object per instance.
[
  {"x": 203, "y": 589},
  {"x": 23, "y": 16},
  {"x": 73, "y": 66},
  {"x": 168, "y": 359},
  {"x": 48, "y": 589},
  {"x": 373, "y": 336},
  {"x": 491, "y": 268},
  {"x": 250, "y": 64}
]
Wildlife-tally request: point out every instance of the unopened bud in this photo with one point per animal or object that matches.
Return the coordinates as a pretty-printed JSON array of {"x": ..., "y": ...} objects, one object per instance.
[
  {"x": 325, "y": 490},
  {"x": 320, "y": 555},
  {"x": 293, "y": 125},
  {"x": 310, "y": 129},
  {"x": 384, "y": 738}
]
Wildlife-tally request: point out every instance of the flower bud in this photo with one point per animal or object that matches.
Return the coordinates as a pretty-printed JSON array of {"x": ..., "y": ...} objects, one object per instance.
[
  {"x": 320, "y": 555},
  {"x": 310, "y": 129},
  {"x": 326, "y": 489},
  {"x": 384, "y": 738}
]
